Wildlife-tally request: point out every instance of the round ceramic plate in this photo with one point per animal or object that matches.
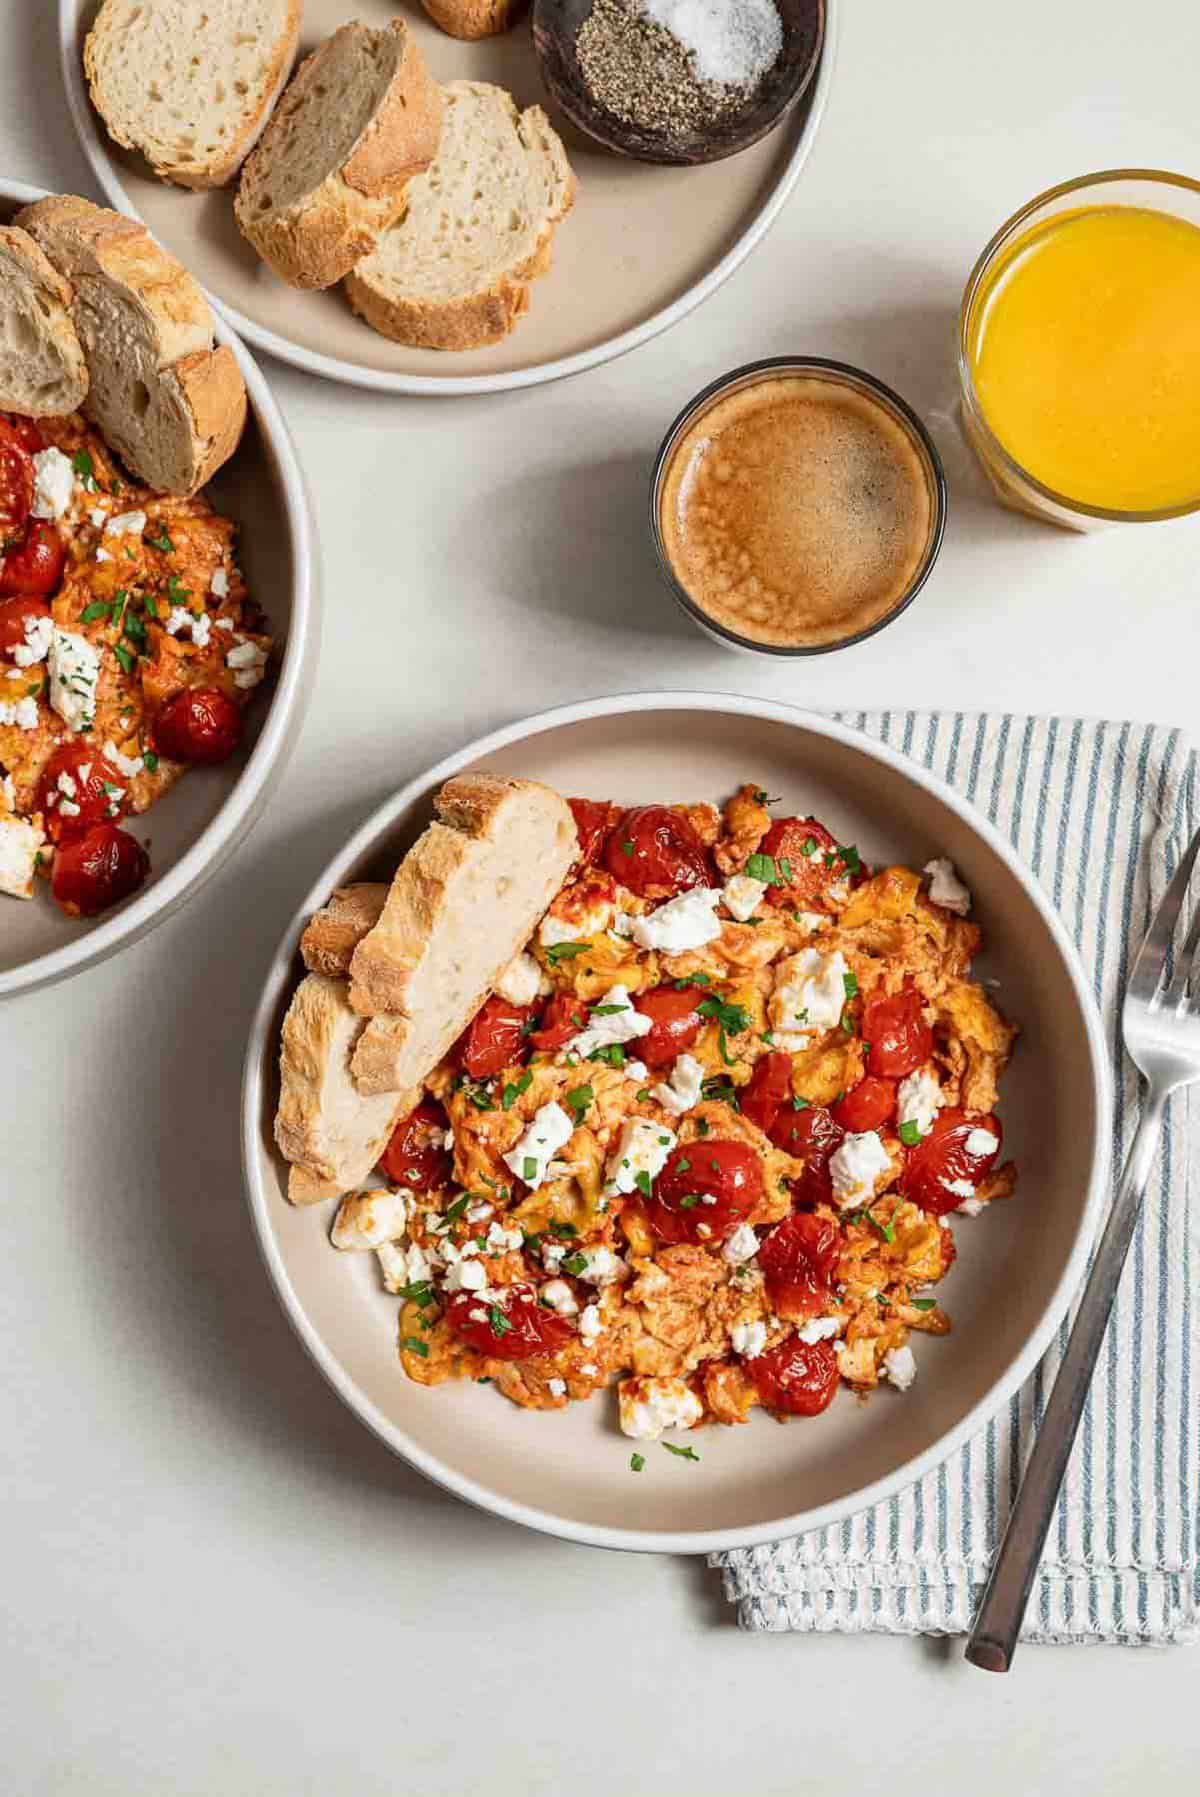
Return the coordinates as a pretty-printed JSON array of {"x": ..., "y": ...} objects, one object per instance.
[
  {"x": 567, "y": 1472},
  {"x": 195, "y": 826},
  {"x": 642, "y": 246}
]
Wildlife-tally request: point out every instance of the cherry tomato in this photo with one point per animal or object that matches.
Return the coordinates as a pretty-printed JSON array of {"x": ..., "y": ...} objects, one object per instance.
[
  {"x": 28, "y": 433},
  {"x": 200, "y": 724},
  {"x": 705, "y": 1190},
  {"x": 943, "y": 1160},
  {"x": 813, "y": 1136},
  {"x": 416, "y": 1158},
  {"x": 514, "y": 1327},
  {"x": 92, "y": 784},
  {"x": 798, "y": 1260},
  {"x": 16, "y": 481},
  {"x": 797, "y": 1378},
  {"x": 591, "y": 826},
  {"x": 770, "y": 1088},
  {"x": 656, "y": 853},
  {"x": 98, "y": 870},
  {"x": 35, "y": 565},
  {"x": 493, "y": 1039},
  {"x": 674, "y": 1023},
  {"x": 869, "y": 1105},
  {"x": 563, "y": 1018},
  {"x": 899, "y": 1039},
  {"x": 14, "y": 614},
  {"x": 799, "y": 847}
]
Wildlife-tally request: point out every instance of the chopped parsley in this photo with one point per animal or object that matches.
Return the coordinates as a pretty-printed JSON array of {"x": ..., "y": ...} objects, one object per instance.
[
  {"x": 692, "y": 979},
  {"x": 529, "y": 1169},
  {"x": 923, "y": 1303},
  {"x": 162, "y": 542},
  {"x": 689, "y": 1201},
  {"x": 681, "y": 1453},
  {"x": 683, "y": 1166},
  {"x": 151, "y": 761},
  {"x": 176, "y": 591},
  {"x": 498, "y": 1320},
  {"x": 642, "y": 1182},
  {"x": 454, "y": 1211},
  {"x": 612, "y": 1052},
  {"x": 770, "y": 871},
  {"x": 125, "y": 657},
  {"x": 416, "y": 1346},
  {"x": 730, "y": 1017},
  {"x": 721, "y": 1089},
  {"x": 910, "y": 1133},
  {"x": 627, "y": 848},
  {"x": 761, "y": 797},
  {"x": 85, "y": 469},
  {"x": 850, "y": 982},
  {"x": 565, "y": 951},
  {"x": 702, "y": 1126},
  {"x": 577, "y": 1101},
  {"x": 420, "y": 1293},
  {"x": 514, "y": 1089},
  {"x": 99, "y": 608},
  {"x": 636, "y": 1462},
  {"x": 809, "y": 846},
  {"x": 575, "y": 1264},
  {"x": 567, "y": 1229},
  {"x": 644, "y": 1094},
  {"x": 608, "y": 1010},
  {"x": 851, "y": 859},
  {"x": 151, "y": 605},
  {"x": 800, "y": 1104}
]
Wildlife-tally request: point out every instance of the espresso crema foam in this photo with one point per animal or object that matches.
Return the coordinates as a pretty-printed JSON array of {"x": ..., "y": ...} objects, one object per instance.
[{"x": 796, "y": 511}]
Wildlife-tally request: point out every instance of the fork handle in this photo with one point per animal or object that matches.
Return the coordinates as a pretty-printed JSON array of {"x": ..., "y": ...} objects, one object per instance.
[{"x": 993, "y": 1638}]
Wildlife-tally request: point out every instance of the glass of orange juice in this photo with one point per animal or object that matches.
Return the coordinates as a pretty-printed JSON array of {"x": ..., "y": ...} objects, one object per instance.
[{"x": 1079, "y": 351}]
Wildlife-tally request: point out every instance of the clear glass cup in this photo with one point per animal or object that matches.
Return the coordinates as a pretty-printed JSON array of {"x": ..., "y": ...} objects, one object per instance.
[{"x": 1153, "y": 190}]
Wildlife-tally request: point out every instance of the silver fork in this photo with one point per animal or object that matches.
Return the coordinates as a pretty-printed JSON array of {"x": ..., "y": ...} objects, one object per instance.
[{"x": 1161, "y": 1026}]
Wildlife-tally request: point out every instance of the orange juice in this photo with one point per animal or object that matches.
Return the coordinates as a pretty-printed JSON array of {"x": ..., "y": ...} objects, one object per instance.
[{"x": 1084, "y": 350}]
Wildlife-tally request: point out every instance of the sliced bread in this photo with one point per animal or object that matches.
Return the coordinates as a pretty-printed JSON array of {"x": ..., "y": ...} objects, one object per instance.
[
  {"x": 190, "y": 83},
  {"x": 169, "y": 403},
  {"x": 455, "y": 272},
  {"x": 42, "y": 370},
  {"x": 335, "y": 931},
  {"x": 360, "y": 118},
  {"x": 463, "y": 901},
  {"x": 473, "y": 18}
]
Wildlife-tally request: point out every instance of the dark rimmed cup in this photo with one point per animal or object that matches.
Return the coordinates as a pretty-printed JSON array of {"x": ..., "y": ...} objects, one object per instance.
[{"x": 821, "y": 368}]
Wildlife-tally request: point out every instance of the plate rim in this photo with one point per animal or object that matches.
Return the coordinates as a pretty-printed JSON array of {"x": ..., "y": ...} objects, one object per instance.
[
  {"x": 688, "y": 1541},
  {"x": 91, "y": 140},
  {"x": 243, "y": 805}
]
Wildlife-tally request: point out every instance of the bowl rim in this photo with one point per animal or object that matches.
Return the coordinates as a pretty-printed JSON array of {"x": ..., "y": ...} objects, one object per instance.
[
  {"x": 261, "y": 1045},
  {"x": 241, "y": 808},
  {"x": 378, "y": 380}
]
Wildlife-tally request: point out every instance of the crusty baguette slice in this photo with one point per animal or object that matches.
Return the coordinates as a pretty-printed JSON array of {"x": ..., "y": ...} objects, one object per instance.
[
  {"x": 323, "y": 1125},
  {"x": 42, "y": 370},
  {"x": 463, "y": 901},
  {"x": 171, "y": 405},
  {"x": 455, "y": 272},
  {"x": 190, "y": 83},
  {"x": 473, "y": 18},
  {"x": 335, "y": 931},
  {"x": 360, "y": 118}
]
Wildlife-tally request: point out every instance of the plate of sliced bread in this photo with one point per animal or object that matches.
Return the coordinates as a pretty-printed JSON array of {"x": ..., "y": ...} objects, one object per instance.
[{"x": 391, "y": 199}]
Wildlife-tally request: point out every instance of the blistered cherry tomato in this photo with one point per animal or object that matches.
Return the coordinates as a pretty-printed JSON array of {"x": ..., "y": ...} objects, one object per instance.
[
  {"x": 591, "y": 825},
  {"x": 705, "y": 1190},
  {"x": 812, "y": 1135},
  {"x": 799, "y": 847},
  {"x": 16, "y": 481},
  {"x": 494, "y": 1038},
  {"x": 28, "y": 432},
  {"x": 870, "y": 1105},
  {"x": 769, "y": 1089},
  {"x": 14, "y": 614},
  {"x": 899, "y": 1040},
  {"x": 798, "y": 1260},
  {"x": 98, "y": 870},
  {"x": 946, "y": 1165},
  {"x": 200, "y": 724},
  {"x": 416, "y": 1158},
  {"x": 35, "y": 565},
  {"x": 514, "y": 1327},
  {"x": 797, "y": 1378},
  {"x": 656, "y": 853},
  {"x": 674, "y": 1023},
  {"x": 92, "y": 792},
  {"x": 563, "y": 1018}
]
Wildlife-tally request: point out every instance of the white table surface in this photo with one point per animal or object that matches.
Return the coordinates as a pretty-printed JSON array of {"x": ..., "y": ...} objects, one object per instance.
[{"x": 215, "y": 1581}]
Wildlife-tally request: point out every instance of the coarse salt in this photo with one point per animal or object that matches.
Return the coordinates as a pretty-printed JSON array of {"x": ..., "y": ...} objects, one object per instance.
[{"x": 733, "y": 42}]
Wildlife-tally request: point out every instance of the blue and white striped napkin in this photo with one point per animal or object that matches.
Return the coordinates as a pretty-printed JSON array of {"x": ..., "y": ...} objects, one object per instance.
[{"x": 1101, "y": 812}]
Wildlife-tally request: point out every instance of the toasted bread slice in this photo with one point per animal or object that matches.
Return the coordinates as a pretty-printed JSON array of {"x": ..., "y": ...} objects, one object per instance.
[
  {"x": 474, "y": 18},
  {"x": 463, "y": 901},
  {"x": 42, "y": 370},
  {"x": 324, "y": 1126},
  {"x": 454, "y": 273},
  {"x": 335, "y": 931},
  {"x": 360, "y": 118},
  {"x": 171, "y": 404},
  {"x": 190, "y": 83}
]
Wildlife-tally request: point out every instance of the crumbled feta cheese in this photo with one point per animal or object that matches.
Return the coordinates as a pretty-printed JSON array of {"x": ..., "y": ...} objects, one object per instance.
[
  {"x": 648, "y": 1406},
  {"x": 129, "y": 765},
  {"x": 686, "y": 1085},
  {"x": 856, "y": 1166},
  {"x": 590, "y": 1325},
  {"x": 919, "y": 1099},
  {"x": 589, "y": 1369},
  {"x": 402, "y": 1265},
  {"x": 467, "y": 1276},
  {"x": 962, "y": 1188},
  {"x": 743, "y": 895},
  {"x": 68, "y": 808},
  {"x": 550, "y": 1130},
  {"x": 66, "y": 785},
  {"x": 126, "y": 524},
  {"x": 365, "y": 1219},
  {"x": 981, "y": 1142},
  {"x": 612, "y": 1020},
  {"x": 900, "y": 1367},
  {"x": 98, "y": 516},
  {"x": 553, "y": 1254},
  {"x": 602, "y": 1266},
  {"x": 53, "y": 483},
  {"x": 812, "y": 921},
  {"x": 197, "y": 624},
  {"x": 559, "y": 1296},
  {"x": 223, "y": 623},
  {"x": 23, "y": 713},
  {"x": 945, "y": 887},
  {"x": 500, "y": 1239},
  {"x": 220, "y": 584},
  {"x": 621, "y": 926},
  {"x": 585, "y": 924},
  {"x": 19, "y": 845},
  {"x": 810, "y": 991},
  {"x": 102, "y": 555},
  {"x": 687, "y": 921},
  {"x": 741, "y": 1246},
  {"x": 9, "y": 791},
  {"x": 39, "y": 634},
  {"x": 557, "y": 1388},
  {"x": 642, "y": 1148},
  {"x": 970, "y": 1207},
  {"x": 521, "y": 981},
  {"x": 248, "y": 662},
  {"x": 74, "y": 671},
  {"x": 748, "y": 1339},
  {"x": 636, "y": 1070},
  {"x": 818, "y": 1329}
]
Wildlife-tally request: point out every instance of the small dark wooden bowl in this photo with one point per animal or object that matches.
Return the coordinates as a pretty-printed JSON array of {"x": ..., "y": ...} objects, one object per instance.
[{"x": 555, "y": 25}]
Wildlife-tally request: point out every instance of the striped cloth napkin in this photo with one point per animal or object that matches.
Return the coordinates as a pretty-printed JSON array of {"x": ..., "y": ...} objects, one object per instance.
[{"x": 1101, "y": 812}]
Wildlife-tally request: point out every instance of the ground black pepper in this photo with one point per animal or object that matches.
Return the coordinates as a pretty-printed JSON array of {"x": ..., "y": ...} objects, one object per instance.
[{"x": 641, "y": 73}]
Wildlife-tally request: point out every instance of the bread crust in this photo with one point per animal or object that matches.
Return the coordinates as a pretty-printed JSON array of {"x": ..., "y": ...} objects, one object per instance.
[
  {"x": 323, "y": 1124},
  {"x": 22, "y": 261},
  {"x": 472, "y": 19},
  {"x": 335, "y": 931}
]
